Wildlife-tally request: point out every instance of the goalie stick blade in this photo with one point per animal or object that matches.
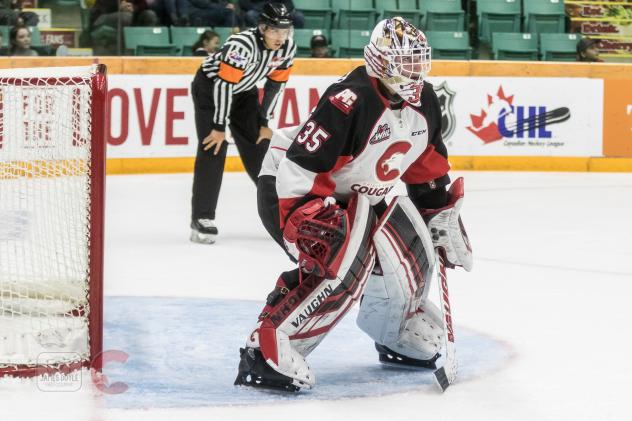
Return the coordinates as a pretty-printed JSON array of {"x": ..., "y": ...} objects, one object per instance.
[{"x": 441, "y": 378}]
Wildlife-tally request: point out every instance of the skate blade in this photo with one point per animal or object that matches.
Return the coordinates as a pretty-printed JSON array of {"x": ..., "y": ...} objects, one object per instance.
[
  {"x": 395, "y": 362},
  {"x": 250, "y": 381},
  {"x": 404, "y": 367},
  {"x": 198, "y": 237}
]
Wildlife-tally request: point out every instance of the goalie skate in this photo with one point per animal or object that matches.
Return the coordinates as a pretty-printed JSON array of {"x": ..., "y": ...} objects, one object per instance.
[
  {"x": 394, "y": 359},
  {"x": 203, "y": 231},
  {"x": 253, "y": 371}
]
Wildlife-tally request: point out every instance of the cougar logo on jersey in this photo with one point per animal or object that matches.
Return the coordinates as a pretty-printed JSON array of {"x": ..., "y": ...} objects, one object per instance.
[
  {"x": 389, "y": 165},
  {"x": 382, "y": 133}
]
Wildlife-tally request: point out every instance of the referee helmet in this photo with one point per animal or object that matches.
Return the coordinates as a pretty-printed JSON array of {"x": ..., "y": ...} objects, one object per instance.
[{"x": 275, "y": 15}]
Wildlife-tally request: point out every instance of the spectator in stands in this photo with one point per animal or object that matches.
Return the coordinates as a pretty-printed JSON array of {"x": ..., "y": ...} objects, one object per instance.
[
  {"x": 11, "y": 14},
  {"x": 124, "y": 13},
  {"x": 319, "y": 46},
  {"x": 252, "y": 8},
  {"x": 20, "y": 42},
  {"x": 109, "y": 17},
  {"x": 171, "y": 12},
  {"x": 213, "y": 13},
  {"x": 587, "y": 51},
  {"x": 207, "y": 44}
]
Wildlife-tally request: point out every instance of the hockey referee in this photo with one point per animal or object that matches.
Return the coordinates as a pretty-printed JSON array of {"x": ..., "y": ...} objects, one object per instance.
[{"x": 224, "y": 92}]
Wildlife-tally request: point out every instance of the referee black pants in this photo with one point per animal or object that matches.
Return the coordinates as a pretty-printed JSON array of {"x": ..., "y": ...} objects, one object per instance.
[{"x": 244, "y": 127}]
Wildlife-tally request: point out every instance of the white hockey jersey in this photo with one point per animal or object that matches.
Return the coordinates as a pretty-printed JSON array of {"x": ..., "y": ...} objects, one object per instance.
[{"x": 354, "y": 142}]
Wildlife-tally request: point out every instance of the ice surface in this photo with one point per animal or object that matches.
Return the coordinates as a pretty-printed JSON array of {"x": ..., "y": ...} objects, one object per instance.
[{"x": 550, "y": 291}]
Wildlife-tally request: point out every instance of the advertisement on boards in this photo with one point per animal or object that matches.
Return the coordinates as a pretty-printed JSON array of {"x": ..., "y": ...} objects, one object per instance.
[
  {"x": 617, "y": 132},
  {"x": 503, "y": 116},
  {"x": 152, "y": 116}
]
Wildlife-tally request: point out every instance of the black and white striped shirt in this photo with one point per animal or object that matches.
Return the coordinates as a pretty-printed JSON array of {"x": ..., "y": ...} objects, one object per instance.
[{"x": 242, "y": 62}]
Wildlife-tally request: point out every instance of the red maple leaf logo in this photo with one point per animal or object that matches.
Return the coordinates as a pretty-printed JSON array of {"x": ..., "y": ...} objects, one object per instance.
[{"x": 485, "y": 125}]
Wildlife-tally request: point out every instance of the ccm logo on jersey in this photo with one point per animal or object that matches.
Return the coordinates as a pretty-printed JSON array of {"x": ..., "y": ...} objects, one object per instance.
[
  {"x": 389, "y": 165},
  {"x": 344, "y": 100},
  {"x": 418, "y": 132},
  {"x": 312, "y": 136}
]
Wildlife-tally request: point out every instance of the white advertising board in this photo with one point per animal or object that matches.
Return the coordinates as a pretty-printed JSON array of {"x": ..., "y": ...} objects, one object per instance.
[{"x": 152, "y": 116}]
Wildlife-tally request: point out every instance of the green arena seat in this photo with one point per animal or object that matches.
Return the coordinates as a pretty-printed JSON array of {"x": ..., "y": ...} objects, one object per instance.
[
  {"x": 156, "y": 37},
  {"x": 183, "y": 37},
  {"x": 302, "y": 38},
  {"x": 442, "y": 15},
  {"x": 450, "y": 45},
  {"x": 559, "y": 47},
  {"x": 318, "y": 13},
  {"x": 514, "y": 46},
  {"x": 542, "y": 16},
  {"x": 349, "y": 42},
  {"x": 497, "y": 16},
  {"x": 354, "y": 14},
  {"x": 405, "y": 9}
]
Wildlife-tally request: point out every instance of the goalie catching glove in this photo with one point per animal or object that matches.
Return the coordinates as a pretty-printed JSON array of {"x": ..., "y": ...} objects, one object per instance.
[
  {"x": 315, "y": 234},
  {"x": 447, "y": 231}
]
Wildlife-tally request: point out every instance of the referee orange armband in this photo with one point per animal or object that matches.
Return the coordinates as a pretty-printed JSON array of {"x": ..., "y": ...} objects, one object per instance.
[
  {"x": 229, "y": 73},
  {"x": 280, "y": 75}
]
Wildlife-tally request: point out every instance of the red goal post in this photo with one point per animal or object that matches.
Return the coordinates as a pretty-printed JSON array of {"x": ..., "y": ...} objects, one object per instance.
[{"x": 52, "y": 188}]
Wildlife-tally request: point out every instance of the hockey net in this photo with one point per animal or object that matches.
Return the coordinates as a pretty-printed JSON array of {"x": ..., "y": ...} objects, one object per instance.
[{"x": 52, "y": 162}]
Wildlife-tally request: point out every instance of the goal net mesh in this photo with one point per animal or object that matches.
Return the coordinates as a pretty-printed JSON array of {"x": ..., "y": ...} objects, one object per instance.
[{"x": 45, "y": 196}]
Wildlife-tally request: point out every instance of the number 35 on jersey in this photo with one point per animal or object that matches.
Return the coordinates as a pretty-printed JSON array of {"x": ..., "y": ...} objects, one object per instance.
[{"x": 312, "y": 136}]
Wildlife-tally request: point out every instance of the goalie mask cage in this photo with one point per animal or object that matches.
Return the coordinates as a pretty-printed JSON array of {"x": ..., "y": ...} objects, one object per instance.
[{"x": 52, "y": 175}]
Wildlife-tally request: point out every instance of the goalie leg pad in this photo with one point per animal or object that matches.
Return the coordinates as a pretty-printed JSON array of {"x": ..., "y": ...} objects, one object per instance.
[
  {"x": 295, "y": 322},
  {"x": 391, "y": 312}
]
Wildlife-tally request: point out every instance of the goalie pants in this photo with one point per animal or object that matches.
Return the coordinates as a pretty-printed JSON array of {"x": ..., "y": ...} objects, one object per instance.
[{"x": 244, "y": 128}]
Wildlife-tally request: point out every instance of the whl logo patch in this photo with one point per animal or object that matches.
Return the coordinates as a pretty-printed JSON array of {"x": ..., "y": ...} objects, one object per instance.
[
  {"x": 382, "y": 133},
  {"x": 502, "y": 118}
]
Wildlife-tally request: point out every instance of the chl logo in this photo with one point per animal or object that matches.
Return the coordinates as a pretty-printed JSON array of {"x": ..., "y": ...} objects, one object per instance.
[
  {"x": 501, "y": 118},
  {"x": 389, "y": 165},
  {"x": 276, "y": 62}
]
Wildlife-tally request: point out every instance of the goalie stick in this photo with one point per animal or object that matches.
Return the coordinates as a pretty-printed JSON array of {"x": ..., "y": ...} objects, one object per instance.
[{"x": 446, "y": 374}]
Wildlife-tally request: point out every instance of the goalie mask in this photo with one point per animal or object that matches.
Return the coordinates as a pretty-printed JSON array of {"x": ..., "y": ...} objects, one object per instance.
[{"x": 399, "y": 55}]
